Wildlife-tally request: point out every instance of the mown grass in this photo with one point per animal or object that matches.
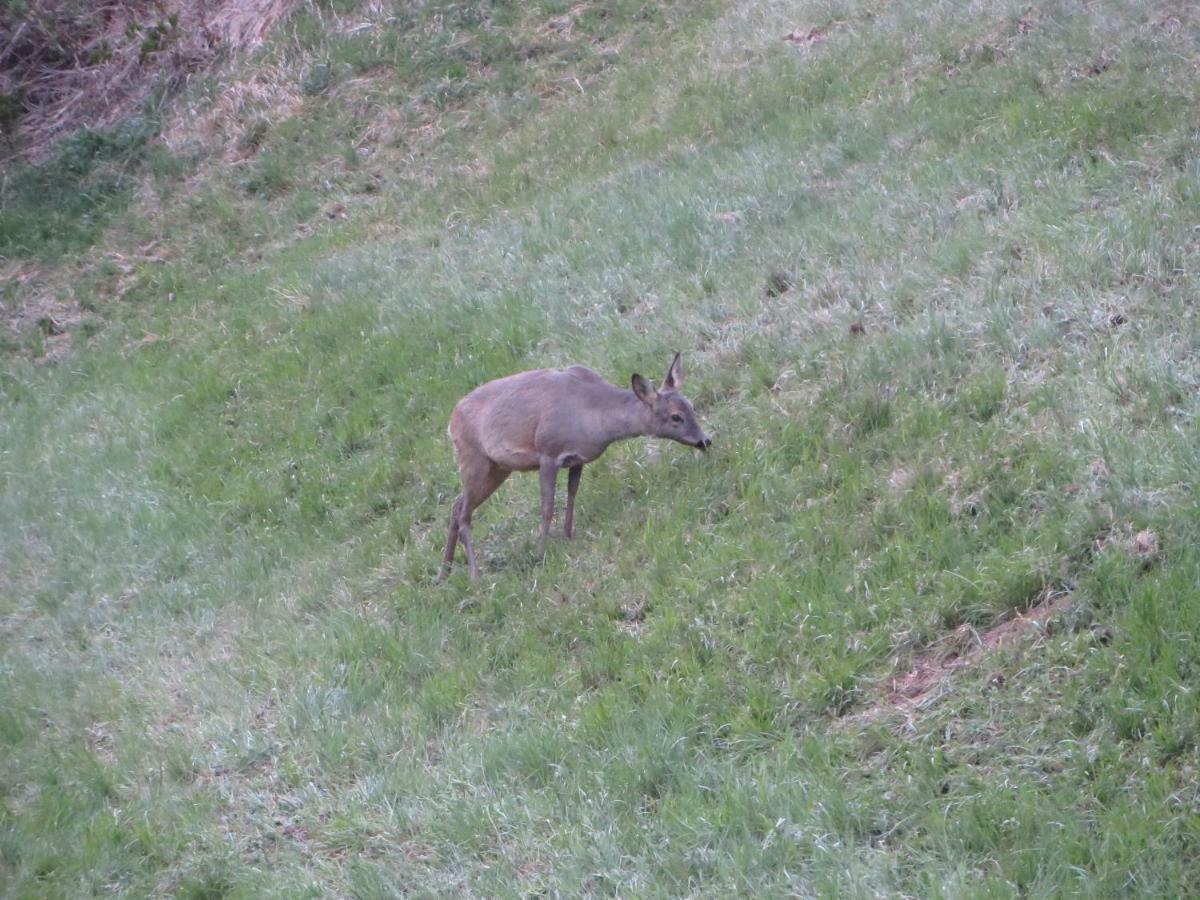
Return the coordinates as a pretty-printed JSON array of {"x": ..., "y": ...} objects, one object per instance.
[{"x": 228, "y": 672}]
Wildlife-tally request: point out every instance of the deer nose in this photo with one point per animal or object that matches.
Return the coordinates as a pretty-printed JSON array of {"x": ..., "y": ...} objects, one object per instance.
[{"x": 704, "y": 443}]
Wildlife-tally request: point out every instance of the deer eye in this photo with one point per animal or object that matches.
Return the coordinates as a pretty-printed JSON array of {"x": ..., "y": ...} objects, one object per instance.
[{"x": 676, "y": 418}]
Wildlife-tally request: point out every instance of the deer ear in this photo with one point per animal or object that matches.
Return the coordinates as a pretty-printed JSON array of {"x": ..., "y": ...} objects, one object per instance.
[
  {"x": 674, "y": 379},
  {"x": 644, "y": 390}
]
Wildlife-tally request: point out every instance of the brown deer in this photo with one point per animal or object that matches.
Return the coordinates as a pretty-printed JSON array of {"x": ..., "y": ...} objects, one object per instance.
[{"x": 551, "y": 419}]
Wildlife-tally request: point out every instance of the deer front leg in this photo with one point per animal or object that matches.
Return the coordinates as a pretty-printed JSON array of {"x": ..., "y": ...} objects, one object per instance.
[
  {"x": 548, "y": 473},
  {"x": 451, "y": 540},
  {"x": 464, "y": 534},
  {"x": 573, "y": 476}
]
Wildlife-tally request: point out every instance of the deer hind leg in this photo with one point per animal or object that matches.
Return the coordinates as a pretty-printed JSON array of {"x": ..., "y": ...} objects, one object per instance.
[
  {"x": 573, "y": 476},
  {"x": 548, "y": 474}
]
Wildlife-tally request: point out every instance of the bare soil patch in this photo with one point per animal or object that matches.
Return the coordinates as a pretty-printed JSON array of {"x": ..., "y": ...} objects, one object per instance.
[
  {"x": 33, "y": 304},
  {"x": 962, "y": 648}
]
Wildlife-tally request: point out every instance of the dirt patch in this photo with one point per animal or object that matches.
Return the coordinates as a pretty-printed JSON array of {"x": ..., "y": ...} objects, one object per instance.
[
  {"x": 805, "y": 37},
  {"x": 962, "y": 648},
  {"x": 1143, "y": 545},
  {"x": 34, "y": 305},
  {"x": 633, "y": 618},
  {"x": 901, "y": 479}
]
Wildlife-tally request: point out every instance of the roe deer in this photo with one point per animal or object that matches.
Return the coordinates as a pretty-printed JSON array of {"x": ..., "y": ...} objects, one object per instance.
[{"x": 551, "y": 419}]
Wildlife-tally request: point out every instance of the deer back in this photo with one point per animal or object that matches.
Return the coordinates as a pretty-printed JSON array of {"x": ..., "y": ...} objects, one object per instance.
[{"x": 568, "y": 415}]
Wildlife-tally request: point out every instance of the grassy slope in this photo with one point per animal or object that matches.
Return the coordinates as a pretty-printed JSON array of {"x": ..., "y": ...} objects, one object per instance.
[{"x": 225, "y": 669}]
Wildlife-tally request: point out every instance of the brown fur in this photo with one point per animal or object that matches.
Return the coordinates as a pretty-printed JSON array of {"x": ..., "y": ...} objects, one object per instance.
[{"x": 551, "y": 419}]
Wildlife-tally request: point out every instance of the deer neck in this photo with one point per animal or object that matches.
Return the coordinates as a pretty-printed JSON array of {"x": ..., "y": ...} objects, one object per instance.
[{"x": 630, "y": 418}]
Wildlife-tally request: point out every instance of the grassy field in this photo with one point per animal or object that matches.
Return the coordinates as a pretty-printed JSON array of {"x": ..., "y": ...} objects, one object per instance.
[{"x": 932, "y": 268}]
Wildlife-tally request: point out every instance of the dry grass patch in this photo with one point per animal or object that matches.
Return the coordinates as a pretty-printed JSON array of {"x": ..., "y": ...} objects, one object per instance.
[
  {"x": 236, "y": 123},
  {"x": 69, "y": 64}
]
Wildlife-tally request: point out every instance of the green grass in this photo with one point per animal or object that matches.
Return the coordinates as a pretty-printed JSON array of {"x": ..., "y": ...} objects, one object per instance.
[
  {"x": 60, "y": 206},
  {"x": 226, "y": 670}
]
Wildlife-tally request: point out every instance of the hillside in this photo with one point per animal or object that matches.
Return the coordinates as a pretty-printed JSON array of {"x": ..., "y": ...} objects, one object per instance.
[{"x": 924, "y": 621}]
